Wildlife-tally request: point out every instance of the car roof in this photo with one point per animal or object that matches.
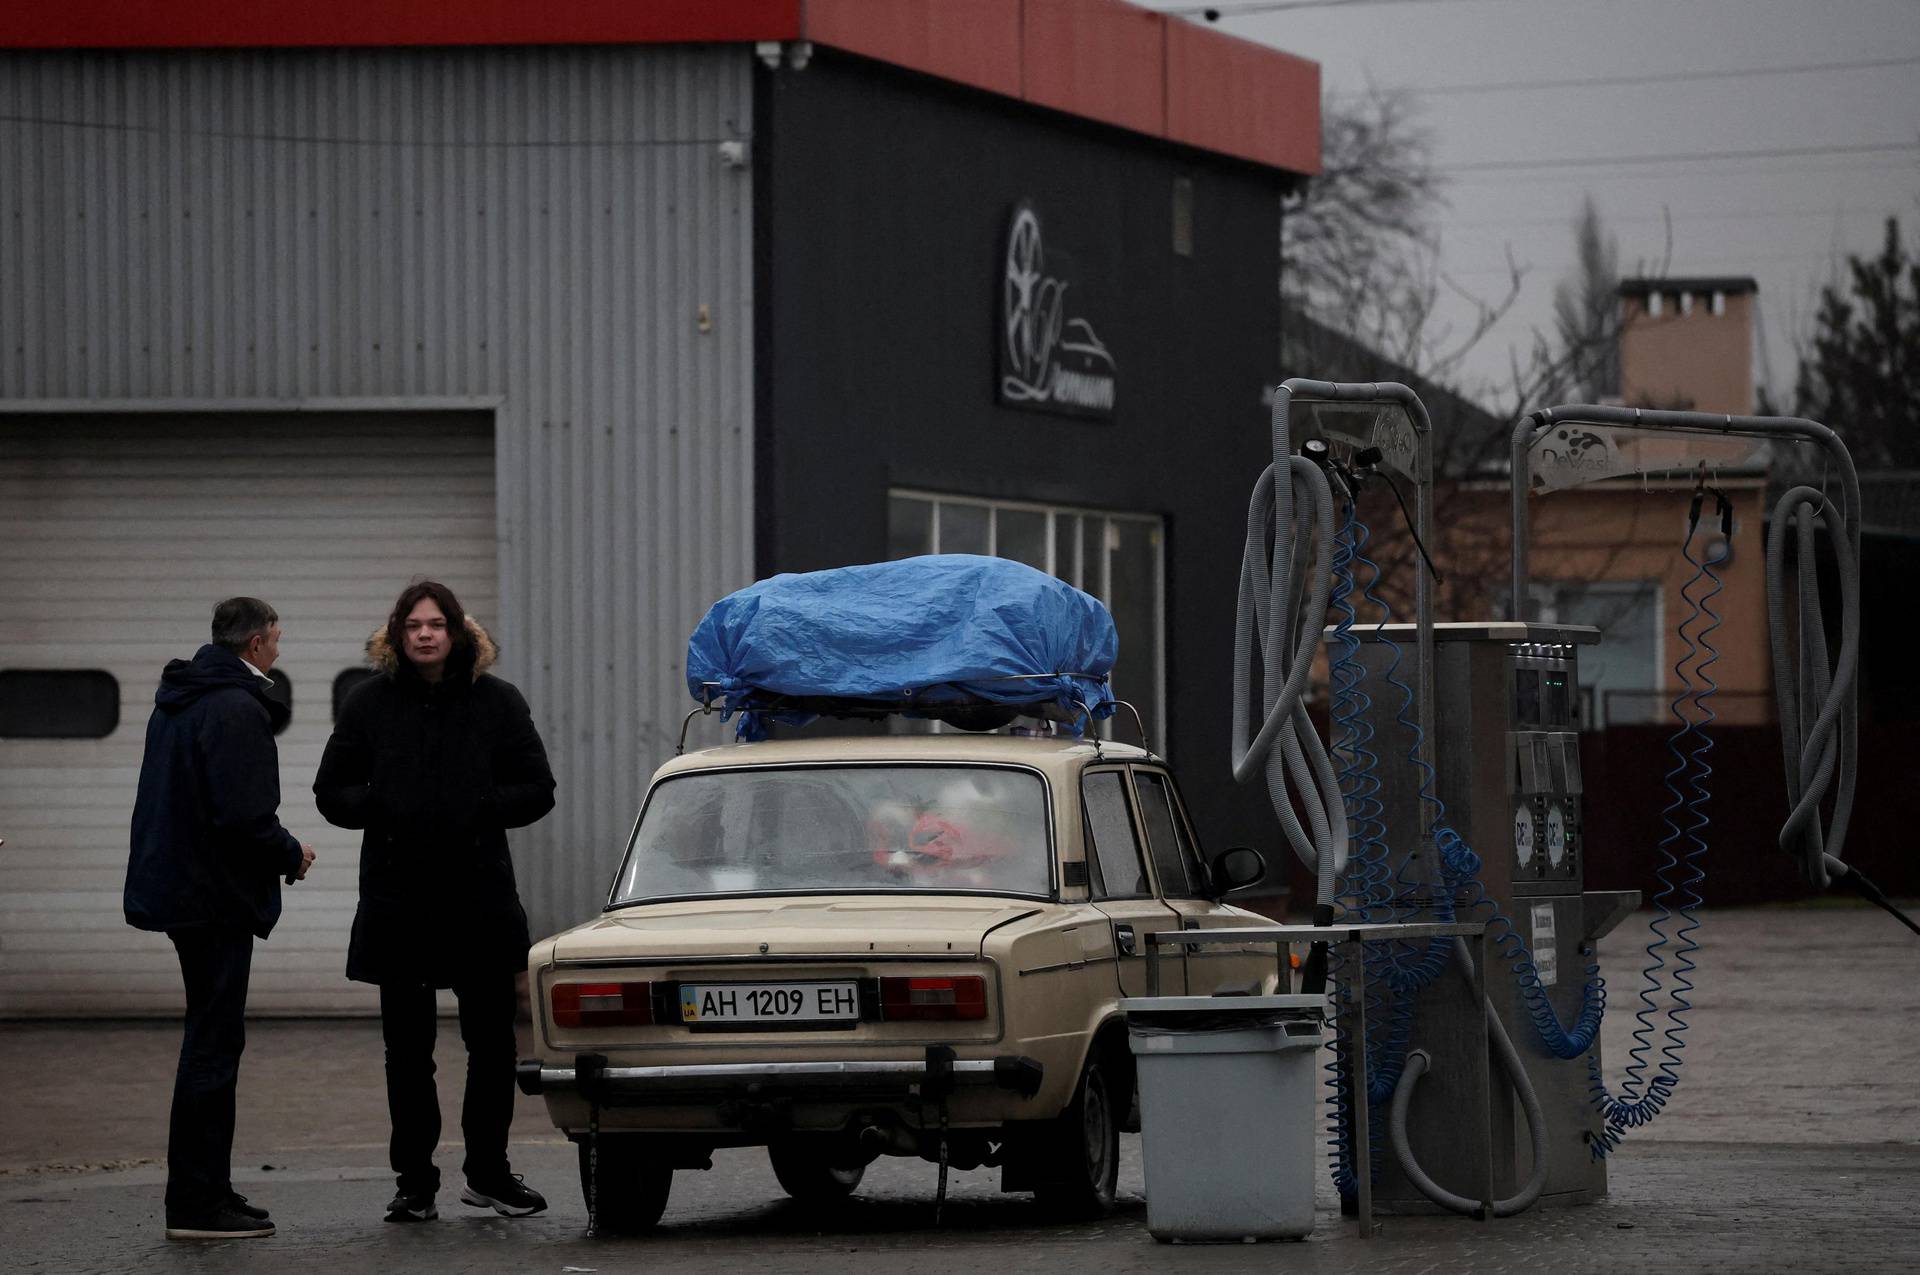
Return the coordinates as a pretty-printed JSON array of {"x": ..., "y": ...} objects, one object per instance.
[{"x": 1049, "y": 753}]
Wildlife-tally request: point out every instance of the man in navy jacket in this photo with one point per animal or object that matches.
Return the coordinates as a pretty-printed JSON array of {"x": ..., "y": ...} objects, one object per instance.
[{"x": 207, "y": 860}]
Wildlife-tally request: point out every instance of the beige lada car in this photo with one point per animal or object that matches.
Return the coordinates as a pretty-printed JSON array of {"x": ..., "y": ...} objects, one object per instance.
[{"x": 898, "y": 945}]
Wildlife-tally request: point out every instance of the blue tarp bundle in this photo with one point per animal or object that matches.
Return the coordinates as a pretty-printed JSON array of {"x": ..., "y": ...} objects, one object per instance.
[{"x": 915, "y": 635}]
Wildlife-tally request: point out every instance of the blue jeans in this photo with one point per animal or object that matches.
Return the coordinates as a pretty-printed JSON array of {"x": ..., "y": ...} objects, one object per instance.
[{"x": 215, "y": 962}]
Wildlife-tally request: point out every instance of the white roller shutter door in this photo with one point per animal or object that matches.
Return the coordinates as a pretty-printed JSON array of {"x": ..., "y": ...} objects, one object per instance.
[{"x": 117, "y": 535}]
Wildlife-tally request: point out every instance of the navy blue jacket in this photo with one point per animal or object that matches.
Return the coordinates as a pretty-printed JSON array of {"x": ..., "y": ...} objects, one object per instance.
[{"x": 208, "y": 848}]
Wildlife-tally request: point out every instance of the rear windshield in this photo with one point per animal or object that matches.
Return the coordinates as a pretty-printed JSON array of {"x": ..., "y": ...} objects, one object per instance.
[{"x": 831, "y": 829}]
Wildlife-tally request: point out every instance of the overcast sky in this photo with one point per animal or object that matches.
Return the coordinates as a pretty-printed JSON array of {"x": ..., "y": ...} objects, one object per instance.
[{"x": 1518, "y": 159}]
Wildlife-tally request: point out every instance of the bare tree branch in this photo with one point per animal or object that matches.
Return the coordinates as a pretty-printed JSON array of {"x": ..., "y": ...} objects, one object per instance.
[{"x": 1361, "y": 287}]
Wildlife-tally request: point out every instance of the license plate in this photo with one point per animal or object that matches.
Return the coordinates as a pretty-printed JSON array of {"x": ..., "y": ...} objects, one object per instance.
[{"x": 769, "y": 1002}]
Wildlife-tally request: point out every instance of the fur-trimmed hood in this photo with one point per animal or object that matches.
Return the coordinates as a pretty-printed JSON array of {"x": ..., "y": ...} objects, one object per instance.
[{"x": 382, "y": 658}]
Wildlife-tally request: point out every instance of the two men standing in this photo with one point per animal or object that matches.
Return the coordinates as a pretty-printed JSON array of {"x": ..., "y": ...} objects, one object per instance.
[{"x": 434, "y": 760}]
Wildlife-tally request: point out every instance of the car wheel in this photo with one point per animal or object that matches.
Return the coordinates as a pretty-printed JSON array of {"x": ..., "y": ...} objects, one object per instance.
[
  {"x": 811, "y": 1173},
  {"x": 633, "y": 1186},
  {"x": 1081, "y": 1148}
]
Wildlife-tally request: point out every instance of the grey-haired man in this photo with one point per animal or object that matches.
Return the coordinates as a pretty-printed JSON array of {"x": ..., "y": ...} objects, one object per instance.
[{"x": 208, "y": 855}]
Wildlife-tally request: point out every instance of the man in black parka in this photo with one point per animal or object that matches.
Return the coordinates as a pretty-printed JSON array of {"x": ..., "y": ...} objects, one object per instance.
[
  {"x": 435, "y": 759},
  {"x": 208, "y": 855}
]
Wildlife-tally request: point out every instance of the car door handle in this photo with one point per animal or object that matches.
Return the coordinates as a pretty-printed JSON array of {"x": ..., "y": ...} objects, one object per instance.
[{"x": 1123, "y": 939}]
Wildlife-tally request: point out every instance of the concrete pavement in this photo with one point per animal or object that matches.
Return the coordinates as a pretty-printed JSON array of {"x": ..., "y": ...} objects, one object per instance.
[{"x": 1793, "y": 1141}]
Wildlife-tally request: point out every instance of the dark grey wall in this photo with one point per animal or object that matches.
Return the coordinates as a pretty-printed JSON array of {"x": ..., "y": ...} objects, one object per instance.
[{"x": 883, "y": 202}]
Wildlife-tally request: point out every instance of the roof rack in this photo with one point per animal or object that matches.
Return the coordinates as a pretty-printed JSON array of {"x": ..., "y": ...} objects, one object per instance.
[{"x": 974, "y": 715}]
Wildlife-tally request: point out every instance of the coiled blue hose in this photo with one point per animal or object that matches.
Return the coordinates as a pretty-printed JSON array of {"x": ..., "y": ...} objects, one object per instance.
[
  {"x": 1412, "y": 967},
  {"x": 1394, "y": 973},
  {"x": 1641, "y": 1098},
  {"x": 1343, "y": 675},
  {"x": 1366, "y": 880},
  {"x": 1462, "y": 868},
  {"x": 1353, "y": 732},
  {"x": 1405, "y": 968}
]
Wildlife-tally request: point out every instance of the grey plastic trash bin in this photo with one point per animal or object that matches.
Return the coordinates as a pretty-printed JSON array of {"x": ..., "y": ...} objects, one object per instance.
[{"x": 1228, "y": 1105}]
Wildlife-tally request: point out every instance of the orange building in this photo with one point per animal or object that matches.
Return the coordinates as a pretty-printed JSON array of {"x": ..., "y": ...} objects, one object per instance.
[
  {"x": 1687, "y": 344},
  {"x": 1608, "y": 554}
]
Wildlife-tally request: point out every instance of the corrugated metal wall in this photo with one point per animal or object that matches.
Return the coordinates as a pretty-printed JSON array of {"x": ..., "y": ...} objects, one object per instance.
[{"x": 553, "y": 229}]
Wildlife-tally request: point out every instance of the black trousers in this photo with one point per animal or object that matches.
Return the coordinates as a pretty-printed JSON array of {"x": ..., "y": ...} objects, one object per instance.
[
  {"x": 407, "y": 1023},
  {"x": 215, "y": 962}
]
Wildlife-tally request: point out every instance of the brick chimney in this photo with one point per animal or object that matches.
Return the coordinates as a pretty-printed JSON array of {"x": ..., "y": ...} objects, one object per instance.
[{"x": 1687, "y": 344}]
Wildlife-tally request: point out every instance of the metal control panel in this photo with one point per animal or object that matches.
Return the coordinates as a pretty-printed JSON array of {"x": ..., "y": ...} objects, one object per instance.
[
  {"x": 1506, "y": 752},
  {"x": 1543, "y": 775},
  {"x": 1506, "y": 756}
]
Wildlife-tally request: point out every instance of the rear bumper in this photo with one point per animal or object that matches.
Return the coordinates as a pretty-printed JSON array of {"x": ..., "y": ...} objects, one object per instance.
[{"x": 938, "y": 1073}]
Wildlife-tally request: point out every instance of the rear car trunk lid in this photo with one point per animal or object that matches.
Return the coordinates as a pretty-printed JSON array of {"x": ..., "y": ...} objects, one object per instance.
[{"x": 838, "y": 925}]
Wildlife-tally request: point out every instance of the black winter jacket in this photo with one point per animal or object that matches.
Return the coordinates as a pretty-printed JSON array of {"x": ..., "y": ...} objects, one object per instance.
[
  {"x": 207, "y": 846},
  {"x": 435, "y": 773}
]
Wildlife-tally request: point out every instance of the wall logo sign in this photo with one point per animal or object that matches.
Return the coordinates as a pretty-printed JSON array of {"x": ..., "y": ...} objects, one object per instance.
[
  {"x": 1051, "y": 360},
  {"x": 1568, "y": 455}
]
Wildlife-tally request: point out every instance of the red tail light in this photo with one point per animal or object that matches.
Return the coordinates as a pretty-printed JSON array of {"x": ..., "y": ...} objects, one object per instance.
[
  {"x": 933, "y": 999},
  {"x": 602, "y": 1004}
]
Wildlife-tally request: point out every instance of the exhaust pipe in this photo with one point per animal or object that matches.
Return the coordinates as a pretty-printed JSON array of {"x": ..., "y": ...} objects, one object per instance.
[{"x": 883, "y": 1139}]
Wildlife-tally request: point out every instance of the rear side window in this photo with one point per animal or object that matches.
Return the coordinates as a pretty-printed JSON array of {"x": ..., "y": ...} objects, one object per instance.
[
  {"x": 1173, "y": 856},
  {"x": 830, "y": 829},
  {"x": 1119, "y": 874},
  {"x": 58, "y": 704}
]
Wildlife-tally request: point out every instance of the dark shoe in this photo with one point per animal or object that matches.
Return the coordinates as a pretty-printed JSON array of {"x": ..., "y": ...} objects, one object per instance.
[
  {"x": 411, "y": 1208},
  {"x": 238, "y": 1203},
  {"x": 222, "y": 1223},
  {"x": 508, "y": 1196}
]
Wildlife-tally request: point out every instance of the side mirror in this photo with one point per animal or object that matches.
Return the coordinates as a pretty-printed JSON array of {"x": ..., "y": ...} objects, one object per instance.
[{"x": 1236, "y": 869}]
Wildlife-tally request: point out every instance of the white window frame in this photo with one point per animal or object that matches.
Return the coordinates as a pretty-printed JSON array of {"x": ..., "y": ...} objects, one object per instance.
[{"x": 1546, "y": 606}]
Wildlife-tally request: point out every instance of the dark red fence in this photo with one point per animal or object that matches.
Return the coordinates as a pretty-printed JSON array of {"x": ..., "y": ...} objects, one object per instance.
[{"x": 1625, "y": 769}]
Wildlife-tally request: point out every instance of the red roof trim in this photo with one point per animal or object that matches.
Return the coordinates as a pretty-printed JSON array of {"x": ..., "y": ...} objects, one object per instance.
[
  {"x": 1105, "y": 60},
  {"x": 1240, "y": 98},
  {"x": 977, "y": 43},
  {"x": 1101, "y": 58},
  {"x": 292, "y": 24}
]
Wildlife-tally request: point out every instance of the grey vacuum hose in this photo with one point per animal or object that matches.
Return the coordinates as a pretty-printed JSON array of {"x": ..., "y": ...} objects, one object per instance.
[
  {"x": 1293, "y": 505},
  {"x": 1817, "y": 699},
  {"x": 1416, "y": 1066}
]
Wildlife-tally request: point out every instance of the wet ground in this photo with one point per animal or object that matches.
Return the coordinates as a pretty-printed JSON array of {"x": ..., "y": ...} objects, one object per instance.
[{"x": 1793, "y": 1142}]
